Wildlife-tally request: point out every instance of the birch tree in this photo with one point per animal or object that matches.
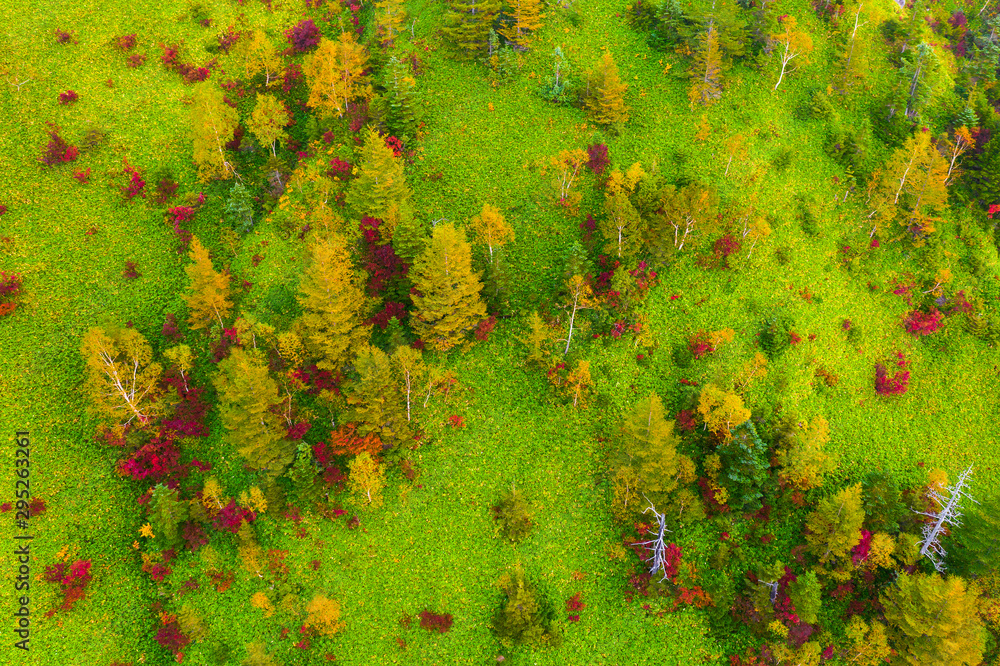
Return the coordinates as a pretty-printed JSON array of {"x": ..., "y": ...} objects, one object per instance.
[
  {"x": 581, "y": 297},
  {"x": 791, "y": 43},
  {"x": 835, "y": 526},
  {"x": 410, "y": 367},
  {"x": 121, "y": 375},
  {"x": 213, "y": 123},
  {"x": 335, "y": 74}
]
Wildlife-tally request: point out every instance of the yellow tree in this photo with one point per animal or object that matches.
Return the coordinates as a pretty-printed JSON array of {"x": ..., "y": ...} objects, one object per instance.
[
  {"x": 579, "y": 297},
  {"x": 525, "y": 17},
  {"x": 409, "y": 365},
  {"x": 323, "y": 615},
  {"x": 706, "y": 72},
  {"x": 208, "y": 299},
  {"x": 335, "y": 74},
  {"x": 259, "y": 55},
  {"x": 247, "y": 394},
  {"x": 567, "y": 165},
  {"x": 268, "y": 120},
  {"x": 448, "y": 305},
  {"x": 790, "y": 43},
  {"x": 366, "y": 478},
  {"x": 121, "y": 376},
  {"x": 579, "y": 383},
  {"x": 956, "y": 148},
  {"x": 213, "y": 123},
  {"x": 621, "y": 225},
  {"x": 835, "y": 525},
  {"x": 721, "y": 411},
  {"x": 801, "y": 454},
  {"x": 379, "y": 187},
  {"x": 333, "y": 304},
  {"x": 912, "y": 186},
  {"x": 468, "y": 23},
  {"x": 389, "y": 18},
  {"x": 606, "y": 102},
  {"x": 492, "y": 229}
]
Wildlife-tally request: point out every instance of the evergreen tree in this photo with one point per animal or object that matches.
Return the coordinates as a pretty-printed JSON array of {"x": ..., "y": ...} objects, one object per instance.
[
  {"x": 557, "y": 86},
  {"x": 268, "y": 121},
  {"x": 525, "y": 17},
  {"x": 650, "y": 443},
  {"x": 835, "y": 526},
  {"x": 706, "y": 71},
  {"x": 306, "y": 489},
  {"x": 468, "y": 24},
  {"x": 213, "y": 123},
  {"x": 932, "y": 621},
  {"x": 492, "y": 229},
  {"x": 208, "y": 300},
  {"x": 333, "y": 303},
  {"x": 410, "y": 238},
  {"x": 606, "y": 98},
  {"x": 335, "y": 74},
  {"x": 983, "y": 173},
  {"x": 379, "y": 189},
  {"x": 805, "y": 594},
  {"x": 373, "y": 399},
  {"x": 744, "y": 467},
  {"x": 166, "y": 512},
  {"x": 448, "y": 305},
  {"x": 921, "y": 80},
  {"x": 239, "y": 208},
  {"x": 247, "y": 392}
]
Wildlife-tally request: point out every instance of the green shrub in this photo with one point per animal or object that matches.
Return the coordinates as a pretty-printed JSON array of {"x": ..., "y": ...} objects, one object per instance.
[
  {"x": 523, "y": 619},
  {"x": 775, "y": 336}
]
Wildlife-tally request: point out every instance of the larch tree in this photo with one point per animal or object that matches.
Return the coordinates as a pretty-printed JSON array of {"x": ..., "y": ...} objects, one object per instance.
[
  {"x": 790, "y": 43},
  {"x": 650, "y": 443},
  {"x": 166, "y": 513},
  {"x": 606, "y": 98},
  {"x": 259, "y": 56},
  {"x": 268, "y": 121},
  {"x": 869, "y": 645},
  {"x": 525, "y": 18},
  {"x": 468, "y": 24},
  {"x": 706, "y": 71},
  {"x": 373, "y": 399},
  {"x": 333, "y": 303},
  {"x": 492, "y": 229},
  {"x": 208, "y": 299},
  {"x": 390, "y": 15},
  {"x": 448, "y": 305},
  {"x": 213, "y": 124},
  {"x": 379, "y": 188},
  {"x": 835, "y": 525},
  {"x": 121, "y": 376},
  {"x": 932, "y": 620},
  {"x": 335, "y": 74},
  {"x": 247, "y": 392}
]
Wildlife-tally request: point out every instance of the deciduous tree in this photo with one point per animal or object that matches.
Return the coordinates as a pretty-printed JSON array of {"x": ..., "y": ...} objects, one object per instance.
[
  {"x": 268, "y": 120},
  {"x": 410, "y": 369},
  {"x": 468, "y": 24},
  {"x": 606, "y": 95},
  {"x": 379, "y": 187},
  {"x": 247, "y": 392},
  {"x": 621, "y": 225},
  {"x": 525, "y": 16},
  {"x": 448, "y": 305},
  {"x": 333, "y": 304},
  {"x": 258, "y": 54},
  {"x": 373, "y": 399},
  {"x": 323, "y": 615},
  {"x": 911, "y": 187},
  {"x": 121, "y": 375},
  {"x": 567, "y": 165},
  {"x": 335, "y": 74},
  {"x": 835, "y": 526},
  {"x": 366, "y": 479},
  {"x": 721, "y": 411},
  {"x": 802, "y": 456},
  {"x": 492, "y": 229},
  {"x": 213, "y": 123},
  {"x": 790, "y": 43},
  {"x": 706, "y": 70},
  {"x": 208, "y": 298},
  {"x": 932, "y": 621},
  {"x": 389, "y": 18},
  {"x": 579, "y": 296}
]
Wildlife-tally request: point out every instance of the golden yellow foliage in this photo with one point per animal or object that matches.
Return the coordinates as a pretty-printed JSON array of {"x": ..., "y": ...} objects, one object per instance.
[{"x": 324, "y": 615}]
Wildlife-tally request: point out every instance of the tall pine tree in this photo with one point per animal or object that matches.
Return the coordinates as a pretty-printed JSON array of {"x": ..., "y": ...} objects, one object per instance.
[
  {"x": 448, "y": 305},
  {"x": 606, "y": 95},
  {"x": 333, "y": 304},
  {"x": 706, "y": 71}
]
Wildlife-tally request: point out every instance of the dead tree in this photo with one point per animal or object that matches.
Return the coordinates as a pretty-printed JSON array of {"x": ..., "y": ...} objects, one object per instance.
[
  {"x": 657, "y": 546},
  {"x": 949, "y": 515}
]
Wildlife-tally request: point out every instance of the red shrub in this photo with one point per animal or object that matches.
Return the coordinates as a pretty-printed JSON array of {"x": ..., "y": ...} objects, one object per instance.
[
  {"x": 130, "y": 272},
  {"x": 898, "y": 383},
  {"x": 82, "y": 177},
  {"x": 484, "y": 328},
  {"x": 58, "y": 150},
  {"x": 599, "y": 161},
  {"x": 303, "y": 36},
  {"x": 923, "y": 323},
  {"x": 72, "y": 582},
  {"x": 63, "y": 37},
  {"x": 440, "y": 623},
  {"x": 125, "y": 42},
  {"x": 68, "y": 97},
  {"x": 171, "y": 637}
]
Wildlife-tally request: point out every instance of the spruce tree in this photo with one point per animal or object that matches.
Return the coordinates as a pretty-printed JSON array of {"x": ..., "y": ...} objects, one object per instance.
[
  {"x": 448, "y": 305},
  {"x": 379, "y": 189},
  {"x": 246, "y": 394},
  {"x": 933, "y": 621},
  {"x": 835, "y": 526},
  {"x": 606, "y": 101},
  {"x": 239, "y": 208},
  {"x": 400, "y": 92},
  {"x": 333, "y": 304},
  {"x": 208, "y": 299}
]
